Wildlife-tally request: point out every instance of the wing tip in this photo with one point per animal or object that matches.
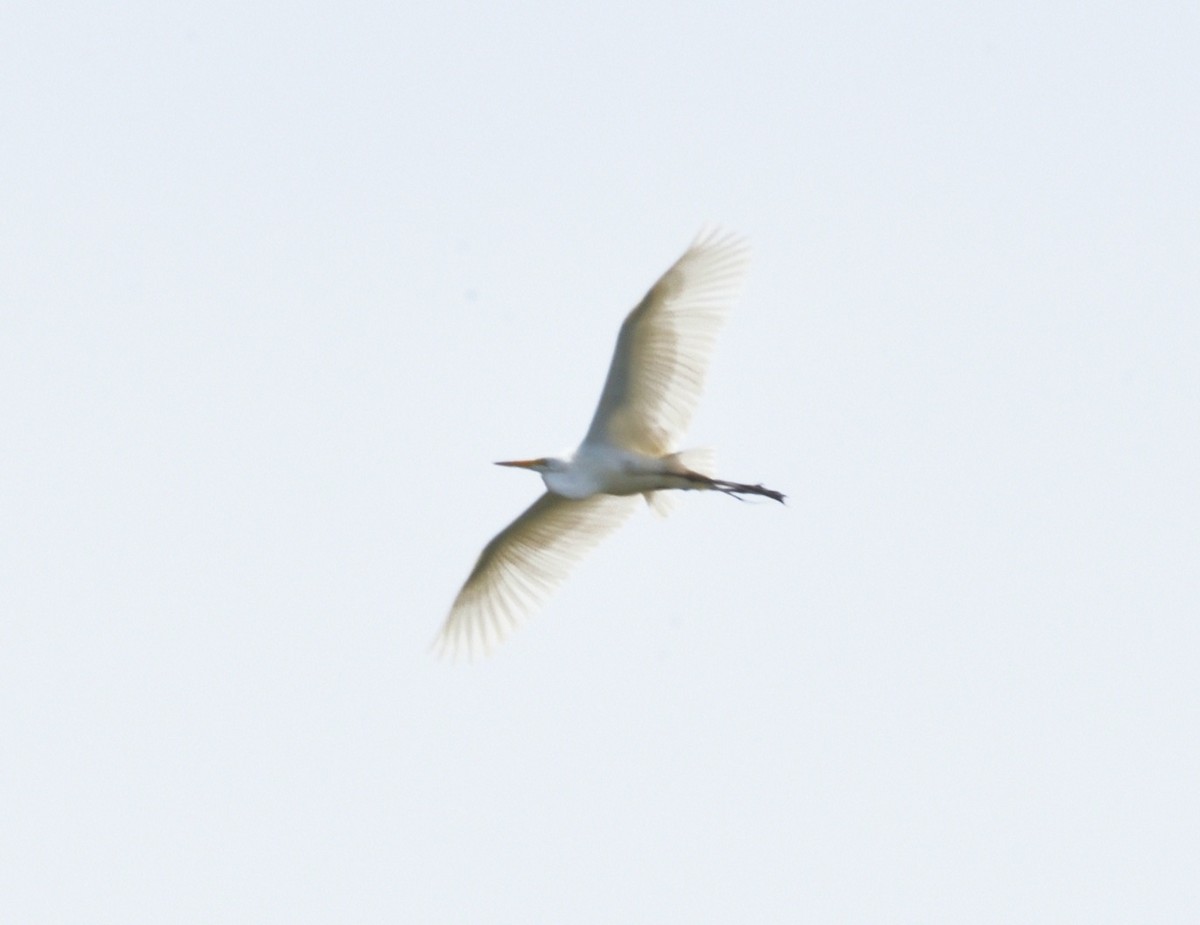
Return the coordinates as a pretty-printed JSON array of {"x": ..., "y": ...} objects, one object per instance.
[
  {"x": 719, "y": 259},
  {"x": 712, "y": 236},
  {"x": 455, "y": 644}
]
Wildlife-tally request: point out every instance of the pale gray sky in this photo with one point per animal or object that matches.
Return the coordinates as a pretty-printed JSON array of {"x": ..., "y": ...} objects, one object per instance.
[{"x": 281, "y": 281}]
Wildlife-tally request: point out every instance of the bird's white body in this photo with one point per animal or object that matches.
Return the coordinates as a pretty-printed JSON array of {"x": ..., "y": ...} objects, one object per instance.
[
  {"x": 596, "y": 469},
  {"x": 631, "y": 448}
]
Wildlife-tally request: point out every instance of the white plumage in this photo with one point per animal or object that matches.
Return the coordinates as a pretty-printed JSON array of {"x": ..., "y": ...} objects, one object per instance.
[{"x": 654, "y": 382}]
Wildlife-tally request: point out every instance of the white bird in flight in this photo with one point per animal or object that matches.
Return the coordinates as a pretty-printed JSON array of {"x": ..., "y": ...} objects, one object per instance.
[{"x": 654, "y": 381}]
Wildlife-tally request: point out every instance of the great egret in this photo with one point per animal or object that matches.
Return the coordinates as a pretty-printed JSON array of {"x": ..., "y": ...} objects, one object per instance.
[{"x": 654, "y": 382}]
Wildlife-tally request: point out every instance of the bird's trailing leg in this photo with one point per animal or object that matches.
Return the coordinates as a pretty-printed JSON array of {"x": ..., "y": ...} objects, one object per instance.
[
  {"x": 733, "y": 489},
  {"x": 737, "y": 489}
]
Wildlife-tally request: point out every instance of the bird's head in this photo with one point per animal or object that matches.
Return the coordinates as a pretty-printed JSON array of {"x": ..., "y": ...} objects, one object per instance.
[{"x": 543, "y": 465}]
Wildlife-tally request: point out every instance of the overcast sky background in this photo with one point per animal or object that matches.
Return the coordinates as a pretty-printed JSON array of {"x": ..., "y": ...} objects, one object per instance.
[{"x": 280, "y": 282}]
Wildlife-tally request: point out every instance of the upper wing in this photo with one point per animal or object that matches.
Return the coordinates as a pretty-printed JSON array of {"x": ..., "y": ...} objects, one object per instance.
[
  {"x": 519, "y": 568},
  {"x": 662, "y": 352}
]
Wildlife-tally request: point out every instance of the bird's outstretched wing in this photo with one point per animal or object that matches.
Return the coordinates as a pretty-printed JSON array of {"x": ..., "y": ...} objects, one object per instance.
[
  {"x": 523, "y": 564},
  {"x": 658, "y": 367}
]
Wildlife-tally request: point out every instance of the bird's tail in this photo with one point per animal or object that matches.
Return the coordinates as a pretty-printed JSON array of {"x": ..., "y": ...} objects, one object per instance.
[{"x": 697, "y": 461}]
